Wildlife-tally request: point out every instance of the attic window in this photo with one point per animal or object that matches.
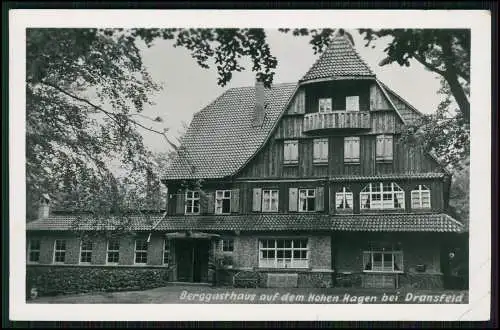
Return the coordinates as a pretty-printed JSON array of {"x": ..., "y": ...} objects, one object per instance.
[{"x": 325, "y": 105}]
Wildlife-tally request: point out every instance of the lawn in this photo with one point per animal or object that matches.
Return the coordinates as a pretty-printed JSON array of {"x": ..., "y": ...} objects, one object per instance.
[{"x": 201, "y": 294}]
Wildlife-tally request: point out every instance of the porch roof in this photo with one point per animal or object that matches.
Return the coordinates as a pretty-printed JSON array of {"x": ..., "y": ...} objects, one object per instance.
[
  {"x": 423, "y": 222},
  {"x": 85, "y": 222},
  {"x": 403, "y": 222}
]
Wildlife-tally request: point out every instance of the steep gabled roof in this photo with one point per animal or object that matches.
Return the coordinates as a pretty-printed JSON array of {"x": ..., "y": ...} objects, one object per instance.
[
  {"x": 221, "y": 138},
  {"x": 339, "y": 61}
]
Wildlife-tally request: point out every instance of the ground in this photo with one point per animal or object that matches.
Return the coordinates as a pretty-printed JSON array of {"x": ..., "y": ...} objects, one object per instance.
[{"x": 203, "y": 294}]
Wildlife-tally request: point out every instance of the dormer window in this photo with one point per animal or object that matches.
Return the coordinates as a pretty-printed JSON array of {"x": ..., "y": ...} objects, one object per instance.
[
  {"x": 325, "y": 105},
  {"x": 352, "y": 103}
]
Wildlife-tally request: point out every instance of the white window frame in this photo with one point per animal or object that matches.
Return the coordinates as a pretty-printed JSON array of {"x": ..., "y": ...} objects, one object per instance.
[
  {"x": 351, "y": 153},
  {"x": 220, "y": 197},
  {"x": 223, "y": 245},
  {"x": 108, "y": 251},
  {"x": 283, "y": 263},
  {"x": 382, "y": 196},
  {"x": 342, "y": 197},
  {"x": 384, "y": 148},
  {"x": 369, "y": 256},
  {"x": 347, "y": 103},
  {"x": 306, "y": 199},
  {"x": 85, "y": 251},
  {"x": 320, "y": 150},
  {"x": 324, "y": 103},
  {"x": 291, "y": 151},
  {"x": 418, "y": 195},
  {"x": 141, "y": 252},
  {"x": 271, "y": 209},
  {"x": 59, "y": 251},
  {"x": 191, "y": 201},
  {"x": 31, "y": 250}
]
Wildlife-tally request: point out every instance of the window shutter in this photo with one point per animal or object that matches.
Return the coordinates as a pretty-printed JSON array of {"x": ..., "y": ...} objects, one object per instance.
[
  {"x": 301, "y": 102},
  {"x": 380, "y": 146},
  {"x": 316, "y": 153},
  {"x": 320, "y": 198},
  {"x": 180, "y": 202},
  {"x": 388, "y": 147},
  {"x": 204, "y": 198},
  {"x": 356, "y": 148},
  {"x": 257, "y": 199},
  {"x": 292, "y": 199},
  {"x": 235, "y": 200},
  {"x": 352, "y": 103},
  {"x": 211, "y": 203}
]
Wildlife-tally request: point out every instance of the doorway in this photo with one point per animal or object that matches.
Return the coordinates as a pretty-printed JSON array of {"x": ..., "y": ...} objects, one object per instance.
[{"x": 192, "y": 260}]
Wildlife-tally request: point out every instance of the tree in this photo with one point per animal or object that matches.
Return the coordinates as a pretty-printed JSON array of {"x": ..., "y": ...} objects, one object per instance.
[
  {"x": 85, "y": 93},
  {"x": 442, "y": 51}
]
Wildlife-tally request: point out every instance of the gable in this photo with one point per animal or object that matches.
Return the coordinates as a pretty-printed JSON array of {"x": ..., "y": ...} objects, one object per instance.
[
  {"x": 221, "y": 137},
  {"x": 408, "y": 113}
]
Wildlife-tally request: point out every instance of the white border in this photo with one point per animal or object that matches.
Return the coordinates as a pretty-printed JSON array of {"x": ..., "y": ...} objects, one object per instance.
[{"x": 479, "y": 22}]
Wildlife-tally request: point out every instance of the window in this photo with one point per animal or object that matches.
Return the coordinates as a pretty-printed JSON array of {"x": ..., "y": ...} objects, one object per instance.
[
  {"x": 166, "y": 252},
  {"x": 384, "y": 147},
  {"x": 382, "y": 196},
  {"x": 421, "y": 197},
  {"x": 269, "y": 200},
  {"x": 223, "y": 201},
  {"x": 34, "y": 250},
  {"x": 283, "y": 253},
  {"x": 59, "y": 251},
  {"x": 307, "y": 200},
  {"x": 192, "y": 202},
  {"x": 113, "y": 251},
  {"x": 352, "y": 103},
  {"x": 351, "y": 149},
  {"x": 320, "y": 151},
  {"x": 227, "y": 245},
  {"x": 85, "y": 251},
  {"x": 141, "y": 251},
  {"x": 291, "y": 152},
  {"x": 343, "y": 199},
  {"x": 325, "y": 105},
  {"x": 383, "y": 258}
]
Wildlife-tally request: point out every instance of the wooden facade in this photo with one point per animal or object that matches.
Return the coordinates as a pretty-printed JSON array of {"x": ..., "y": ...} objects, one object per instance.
[{"x": 268, "y": 170}]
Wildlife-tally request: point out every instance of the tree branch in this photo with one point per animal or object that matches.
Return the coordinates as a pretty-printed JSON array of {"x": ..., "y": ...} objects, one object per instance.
[
  {"x": 111, "y": 115},
  {"x": 422, "y": 60}
]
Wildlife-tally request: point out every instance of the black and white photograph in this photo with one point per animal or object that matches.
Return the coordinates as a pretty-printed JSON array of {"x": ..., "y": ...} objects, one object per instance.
[{"x": 320, "y": 161}]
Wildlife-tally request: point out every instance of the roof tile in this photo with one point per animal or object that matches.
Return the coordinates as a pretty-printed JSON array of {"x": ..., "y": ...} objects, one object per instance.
[
  {"x": 293, "y": 222},
  {"x": 85, "y": 222},
  {"x": 227, "y": 124},
  {"x": 422, "y": 222},
  {"x": 339, "y": 60}
]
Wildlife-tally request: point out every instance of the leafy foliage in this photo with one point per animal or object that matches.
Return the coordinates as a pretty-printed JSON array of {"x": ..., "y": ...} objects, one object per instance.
[
  {"x": 85, "y": 94},
  {"x": 443, "y": 51}
]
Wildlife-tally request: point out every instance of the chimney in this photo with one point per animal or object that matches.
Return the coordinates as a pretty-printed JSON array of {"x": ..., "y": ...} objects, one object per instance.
[
  {"x": 259, "y": 110},
  {"x": 44, "y": 209}
]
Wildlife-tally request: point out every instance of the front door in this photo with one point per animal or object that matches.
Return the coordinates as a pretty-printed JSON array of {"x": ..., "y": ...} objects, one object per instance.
[{"x": 192, "y": 260}]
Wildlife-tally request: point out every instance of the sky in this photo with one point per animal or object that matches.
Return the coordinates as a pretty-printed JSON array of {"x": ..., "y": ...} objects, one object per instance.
[{"x": 188, "y": 88}]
